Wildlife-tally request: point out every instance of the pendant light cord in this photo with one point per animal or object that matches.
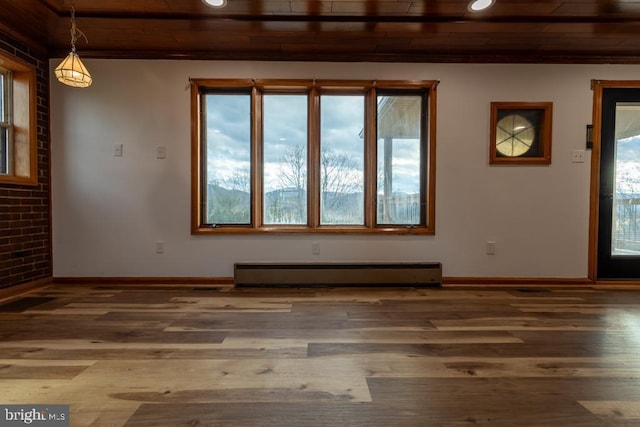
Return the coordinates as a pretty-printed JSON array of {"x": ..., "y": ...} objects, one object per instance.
[{"x": 74, "y": 29}]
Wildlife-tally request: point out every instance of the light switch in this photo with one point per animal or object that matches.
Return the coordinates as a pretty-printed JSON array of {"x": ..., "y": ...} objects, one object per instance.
[
  {"x": 161, "y": 152},
  {"x": 117, "y": 150}
]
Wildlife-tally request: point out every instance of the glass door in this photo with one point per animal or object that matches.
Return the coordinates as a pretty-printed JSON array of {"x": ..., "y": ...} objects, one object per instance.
[{"x": 619, "y": 210}]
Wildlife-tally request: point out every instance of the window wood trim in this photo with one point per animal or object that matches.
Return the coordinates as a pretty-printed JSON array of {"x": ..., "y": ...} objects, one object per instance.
[
  {"x": 23, "y": 157},
  {"x": 314, "y": 87}
]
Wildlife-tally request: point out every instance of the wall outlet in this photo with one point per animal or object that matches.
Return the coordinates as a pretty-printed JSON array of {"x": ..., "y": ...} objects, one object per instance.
[
  {"x": 491, "y": 248},
  {"x": 577, "y": 156},
  {"x": 315, "y": 248},
  {"x": 161, "y": 152},
  {"x": 159, "y": 247}
]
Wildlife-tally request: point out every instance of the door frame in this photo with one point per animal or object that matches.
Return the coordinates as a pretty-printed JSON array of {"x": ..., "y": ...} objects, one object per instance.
[{"x": 598, "y": 86}]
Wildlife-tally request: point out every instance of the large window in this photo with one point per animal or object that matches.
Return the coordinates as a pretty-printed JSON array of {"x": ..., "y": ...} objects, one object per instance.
[
  {"x": 313, "y": 156},
  {"x": 17, "y": 122}
]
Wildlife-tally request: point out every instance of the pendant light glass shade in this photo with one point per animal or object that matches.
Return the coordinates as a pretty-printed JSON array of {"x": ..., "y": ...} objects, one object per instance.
[{"x": 72, "y": 72}]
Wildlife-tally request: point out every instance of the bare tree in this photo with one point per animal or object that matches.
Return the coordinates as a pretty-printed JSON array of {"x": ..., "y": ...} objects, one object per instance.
[
  {"x": 340, "y": 177},
  {"x": 292, "y": 177},
  {"x": 227, "y": 199},
  {"x": 293, "y": 168},
  {"x": 240, "y": 180}
]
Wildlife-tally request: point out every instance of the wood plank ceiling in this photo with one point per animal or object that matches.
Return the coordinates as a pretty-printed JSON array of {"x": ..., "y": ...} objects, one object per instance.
[{"x": 524, "y": 31}]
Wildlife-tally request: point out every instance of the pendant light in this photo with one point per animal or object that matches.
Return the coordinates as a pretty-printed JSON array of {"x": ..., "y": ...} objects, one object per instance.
[{"x": 72, "y": 71}]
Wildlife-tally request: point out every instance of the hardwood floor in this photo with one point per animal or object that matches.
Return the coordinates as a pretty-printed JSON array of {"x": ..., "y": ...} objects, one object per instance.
[{"x": 178, "y": 356}]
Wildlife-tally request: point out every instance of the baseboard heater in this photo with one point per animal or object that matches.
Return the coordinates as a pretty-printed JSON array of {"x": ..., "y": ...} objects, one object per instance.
[{"x": 337, "y": 274}]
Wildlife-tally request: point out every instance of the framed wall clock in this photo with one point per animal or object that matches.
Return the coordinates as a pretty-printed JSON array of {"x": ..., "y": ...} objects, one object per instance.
[{"x": 520, "y": 133}]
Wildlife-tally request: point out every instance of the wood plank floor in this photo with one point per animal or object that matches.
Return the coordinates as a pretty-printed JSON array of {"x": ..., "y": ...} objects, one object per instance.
[{"x": 179, "y": 356}]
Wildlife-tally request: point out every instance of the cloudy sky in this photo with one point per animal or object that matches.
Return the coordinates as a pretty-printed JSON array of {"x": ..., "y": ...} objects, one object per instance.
[{"x": 285, "y": 118}]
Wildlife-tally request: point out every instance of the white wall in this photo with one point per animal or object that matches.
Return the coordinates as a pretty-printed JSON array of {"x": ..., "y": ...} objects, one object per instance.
[{"x": 108, "y": 211}]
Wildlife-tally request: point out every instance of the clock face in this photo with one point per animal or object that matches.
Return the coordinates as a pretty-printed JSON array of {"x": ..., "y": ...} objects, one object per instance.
[{"x": 515, "y": 135}]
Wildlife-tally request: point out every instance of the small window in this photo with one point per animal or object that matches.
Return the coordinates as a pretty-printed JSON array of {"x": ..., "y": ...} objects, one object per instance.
[
  {"x": 18, "y": 160},
  {"x": 313, "y": 156}
]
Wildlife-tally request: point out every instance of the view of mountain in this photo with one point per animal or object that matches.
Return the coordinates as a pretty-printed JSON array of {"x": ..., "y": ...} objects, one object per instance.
[
  {"x": 286, "y": 205},
  {"x": 628, "y": 167}
]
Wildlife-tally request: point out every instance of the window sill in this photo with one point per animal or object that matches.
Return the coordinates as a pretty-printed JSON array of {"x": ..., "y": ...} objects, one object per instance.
[
  {"x": 18, "y": 180},
  {"x": 344, "y": 230}
]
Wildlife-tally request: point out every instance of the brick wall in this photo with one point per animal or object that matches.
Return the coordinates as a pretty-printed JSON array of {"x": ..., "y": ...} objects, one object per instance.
[{"x": 25, "y": 224}]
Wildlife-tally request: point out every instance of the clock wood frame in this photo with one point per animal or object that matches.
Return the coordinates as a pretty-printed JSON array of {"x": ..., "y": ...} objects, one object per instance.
[{"x": 539, "y": 114}]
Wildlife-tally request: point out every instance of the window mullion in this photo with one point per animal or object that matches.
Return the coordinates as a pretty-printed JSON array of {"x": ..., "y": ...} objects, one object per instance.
[
  {"x": 313, "y": 176},
  {"x": 370, "y": 166},
  {"x": 257, "y": 162}
]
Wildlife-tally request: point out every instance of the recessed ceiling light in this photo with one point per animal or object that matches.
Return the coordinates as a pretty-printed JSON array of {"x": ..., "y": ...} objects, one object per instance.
[
  {"x": 478, "y": 5},
  {"x": 215, "y": 3}
]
